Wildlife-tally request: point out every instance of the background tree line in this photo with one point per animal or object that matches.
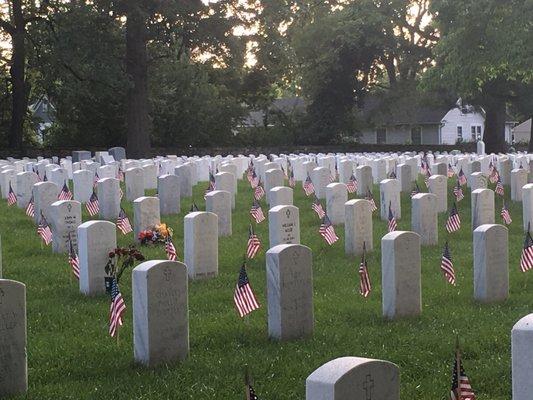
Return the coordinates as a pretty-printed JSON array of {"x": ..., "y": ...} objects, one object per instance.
[{"x": 174, "y": 72}]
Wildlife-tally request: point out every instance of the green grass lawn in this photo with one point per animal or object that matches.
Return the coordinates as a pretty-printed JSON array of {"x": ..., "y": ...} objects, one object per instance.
[{"x": 71, "y": 356}]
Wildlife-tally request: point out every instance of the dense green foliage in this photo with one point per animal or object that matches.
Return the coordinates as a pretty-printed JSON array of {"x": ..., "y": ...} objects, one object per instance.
[
  {"x": 71, "y": 356},
  {"x": 178, "y": 75}
]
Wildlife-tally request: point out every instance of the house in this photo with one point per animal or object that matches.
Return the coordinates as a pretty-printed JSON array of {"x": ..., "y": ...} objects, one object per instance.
[
  {"x": 290, "y": 106},
  {"x": 521, "y": 132},
  {"x": 43, "y": 114},
  {"x": 424, "y": 124}
]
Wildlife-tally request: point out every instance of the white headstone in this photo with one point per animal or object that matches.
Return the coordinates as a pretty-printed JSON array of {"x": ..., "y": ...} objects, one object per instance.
[
  {"x": 358, "y": 226},
  {"x": 219, "y": 202},
  {"x": 424, "y": 218},
  {"x": 284, "y": 225},
  {"x": 134, "y": 179},
  {"x": 66, "y": 217},
  {"x": 168, "y": 191},
  {"x": 201, "y": 244},
  {"x": 109, "y": 198},
  {"x": 146, "y": 214},
  {"x": 522, "y": 358},
  {"x": 482, "y": 207}
]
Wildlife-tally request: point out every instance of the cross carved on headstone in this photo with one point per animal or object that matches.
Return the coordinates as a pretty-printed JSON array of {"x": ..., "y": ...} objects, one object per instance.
[
  {"x": 368, "y": 385},
  {"x": 167, "y": 274}
]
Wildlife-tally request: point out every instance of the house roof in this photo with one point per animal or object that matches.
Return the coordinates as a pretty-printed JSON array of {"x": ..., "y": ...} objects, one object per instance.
[
  {"x": 287, "y": 105},
  {"x": 524, "y": 127}
]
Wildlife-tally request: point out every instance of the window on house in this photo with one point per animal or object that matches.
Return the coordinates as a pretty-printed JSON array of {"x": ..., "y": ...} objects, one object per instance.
[
  {"x": 475, "y": 131},
  {"x": 416, "y": 135},
  {"x": 381, "y": 135},
  {"x": 459, "y": 132}
]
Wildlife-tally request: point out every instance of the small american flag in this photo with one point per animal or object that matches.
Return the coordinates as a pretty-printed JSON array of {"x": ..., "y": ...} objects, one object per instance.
[
  {"x": 11, "y": 196},
  {"x": 426, "y": 178},
  {"x": 352, "y": 184},
  {"x": 45, "y": 178},
  {"x": 461, "y": 177},
  {"x": 370, "y": 198},
  {"x": 93, "y": 206},
  {"x": 212, "y": 181},
  {"x": 506, "y": 215},
  {"x": 73, "y": 259},
  {"x": 494, "y": 176},
  {"x": 256, "y": 212},
  {"x": 461, "y": 388},
  {"x": 365, "y": 286},
  {"x": 317, "y": 207},
  {"x": 170, "y": 249},
  {"x": 254, "y": 181},
  {"x": 327, "y": 231},
  {"x": 392, "y": 175},
  {"x": 249, "y": 172},
  {"x": 416, "y": 190},
  {"x": 120, "y": 175},
  {"x": 499, "y": 187},
  {"x": 116, "y": 309},
  {"x": 451, "y": 172},
  {"x": 44, "y": 231},
  {"x": 30, "y": 208},
  {"x": 308, "y": 186},
  {"x": 446, "y": 265},
  {"x": 251, "y": 394},
  {"x": 458, "y": 192},
  {"x": 244, "y": 297},
  {"x": 254, "y": 244},
  {"x": 65, "y": 193},
  {"x": 95, "y": 179},
  {"x": 292, "y": 181},
  {"x": 453, "y": 223},
  {"x": 259, "y": 192},
  {"x": 526, "y": 259},
  {"x": 392, "y": 224},
  {"x": 194, "y": 207},
  {"x": 123, "y": 222},
  {"x": 423, "y": 166}
]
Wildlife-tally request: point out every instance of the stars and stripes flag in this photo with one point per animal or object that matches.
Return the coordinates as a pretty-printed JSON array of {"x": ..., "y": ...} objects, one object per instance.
[
  {"x": 255, "y": 180},
  {"x": 392, "y": 224},
  {"x": 499, "y": 190},
  {"x": 116, "y": 309},
  {"x": 73, "y": 259},
  {"x": 44, "y": 231},
  {"x": 45, "y": 178},
  {"x": 461, "y": 177},
  {"x": 30, "y": 208},
  {"x": 212, "y": 182},
  {"x": 426, "y": 178},
  {"x": 254, "y": 244},
  {"x": 458, "y": 192},
  {"x": 244, "y": 297},
  {"x": 123, "y": 222},
  {"x": 370, "y": 198},
  {"x": 120, "y": 175},
  {"x": 453, "y": 223},
  {"x": 194, "y": 207},
  {"x": 249, "y": 173},
  {"x": 416, "y": 190},
  {"x": 256, "y": 212},
  {"x": 352, "y": 184},
  {"x": 93, "y": 206},
  {"x": 259, "y": 191},
  {"x": 506, "y": 215},
  {"x": 172, "y": 255},
  {"x": 327, "y": 231},
  {"x": 365, "y": 287},
  {"x": 392, "y": 175},
  {"x": 526, "y": 258},
  {"x": 11, "y": 196},
  {"x": 308, "y": 186},
  {"x": 451, "y": 172},
  {"x": 65, "y": 193},
  {"x": 292, "y": 180},
  {"x": 494, "y": 175},
  {"x": 251, "y": 393},
  {"x": 423, "y": 166},
  {"x": 461, "y": 388},
  {"x": 317, "y": 207},
  {"x": 96, "y": 178},
  {"x": 446, "y": 265}
]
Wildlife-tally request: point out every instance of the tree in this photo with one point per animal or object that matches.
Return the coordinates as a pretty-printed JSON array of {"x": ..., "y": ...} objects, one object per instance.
[
  {"x": 15, "y": 25},
  {"x": 485, "y": 54}
]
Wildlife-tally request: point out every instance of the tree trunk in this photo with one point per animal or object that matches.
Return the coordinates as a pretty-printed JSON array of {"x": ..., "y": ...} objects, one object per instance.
[
  {"x": 530, "y": 146},
  {"x": 17, "y": 71},
  {"x": 494, "y": 135},
  {"x": 138, "y": 120}
]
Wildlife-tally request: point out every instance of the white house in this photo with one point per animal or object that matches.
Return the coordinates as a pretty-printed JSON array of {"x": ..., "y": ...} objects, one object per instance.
[
  {"x": 430, "y": 125},
  {"x": 522, "y": 132}
]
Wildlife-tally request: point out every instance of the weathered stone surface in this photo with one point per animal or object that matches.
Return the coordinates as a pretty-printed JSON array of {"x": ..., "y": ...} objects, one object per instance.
[
  {"x": 424, "y": 218},
  {"x": 201, "y": 244},
  {"x": 358, "y": 226},
  {"x": 284, "y": 225}
]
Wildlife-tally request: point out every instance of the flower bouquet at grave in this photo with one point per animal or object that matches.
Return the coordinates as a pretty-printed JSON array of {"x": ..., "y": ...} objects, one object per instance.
[
  {"x": 118, "y": 261},
  {"x": 158, "y": 234}
]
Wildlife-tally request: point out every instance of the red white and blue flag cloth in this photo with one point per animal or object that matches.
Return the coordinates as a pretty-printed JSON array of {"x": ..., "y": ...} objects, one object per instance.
[
  {"x": 499, "y": 190},
  {"x": 11, "y": 196},
  {"x": 30, "y": 208},
  {"x": 253, "y": 245},
  {"x": 257, "y": 212},
  {"x": 327, "y": 231},
  {"x": 317, "y": 208},
  {"x": 93, "y": 205},
  {"x": 73, "y": 259},
  {"x": 308, "y": 186},
  {"x": 65, "y": 193},
  {"x": 172, "y": 254},
  {"x": 446, "y": 265},
  {"x": 526, "y": 258},
  {"x": 116, "y": 309},
  {"x": 370, "y": 198},
  {"x": 458, "y": 192},
  {"x": 365, "y": 287},
  {"x": 244, "y": 297},
  {"x": 392, "y": 223},
  {"x": 506, "y": 215},
  {"x": 461, "y": 388},
  {"x": 44, "y": 231},
  {"x": 352, "y": 184},
  {"x": 461, "y": 177},
  {"x": 453, "y": 223},
  {"x": 123, "y": 222}
]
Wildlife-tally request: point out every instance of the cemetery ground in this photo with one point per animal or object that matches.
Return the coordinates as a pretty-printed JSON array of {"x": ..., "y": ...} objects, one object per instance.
[{"x": 71, "y": 356}]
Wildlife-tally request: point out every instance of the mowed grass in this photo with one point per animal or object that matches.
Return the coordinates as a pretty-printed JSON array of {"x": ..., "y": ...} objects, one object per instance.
[{"x": 71, "y": 356}]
